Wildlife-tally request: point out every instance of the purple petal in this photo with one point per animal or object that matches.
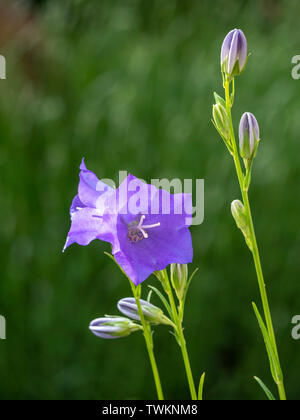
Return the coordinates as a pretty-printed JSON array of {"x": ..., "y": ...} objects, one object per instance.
[
  {"x": 91, "y": 191},
  {"x": 226, "y": 45},
  {"x": 85, "y": 227},
  {"x": 133, "y": 196},
  {"x": 109, "y": 232},
  {"x": 76, "y": 205},
  {"x": 255, "y": 126},
  {"x": 141, "y": 259},
  {"x": 165, "y": 245},
  {"x": 250, "y": 132},
  {"x": 232, "y": 58},
  {"x": 242, "y": 128},
  {"x": 173, "y": 210},
  {"x": 242, "y": 49}
]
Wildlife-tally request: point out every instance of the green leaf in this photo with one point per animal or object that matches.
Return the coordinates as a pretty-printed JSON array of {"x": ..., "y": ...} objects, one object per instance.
[
  {"x": 266, "y": 389},
  {"x": 274, "y": 364},
  {"x": 164, "y": 301},
  {"x": 219, "y": 100},
  {"x": 201, "y": 383},
  {"x": 149, "y": 296},
  {"x": 189, "y": 282}
]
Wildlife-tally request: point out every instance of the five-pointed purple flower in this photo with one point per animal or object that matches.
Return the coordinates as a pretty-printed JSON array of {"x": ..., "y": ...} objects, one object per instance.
[{"x": 146, "y": 226}]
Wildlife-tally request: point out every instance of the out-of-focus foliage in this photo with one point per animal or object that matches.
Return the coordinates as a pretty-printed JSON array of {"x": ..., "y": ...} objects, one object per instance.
[{"x": 128, "y": 84}]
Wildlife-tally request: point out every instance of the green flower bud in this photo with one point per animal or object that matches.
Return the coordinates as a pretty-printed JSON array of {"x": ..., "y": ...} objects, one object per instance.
[
  {"x": 239, "y": 214},
  {"x": 151, "y": 313},
  {"x": 179, "y": 278},
  {"x": 221, "y": 121},
  {"x": 219, "y": 99},
  {"x": 113, "y": 327}
]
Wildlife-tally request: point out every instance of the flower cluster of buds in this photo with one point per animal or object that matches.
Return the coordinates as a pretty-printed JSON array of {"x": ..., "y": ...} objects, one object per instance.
[{"x": 233, "y": 62}]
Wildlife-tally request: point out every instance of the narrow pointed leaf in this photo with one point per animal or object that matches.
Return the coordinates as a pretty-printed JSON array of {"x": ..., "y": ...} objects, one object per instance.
[
  {"x": 149, "y": 296},
  {"x": 275, "y": 368},
  {"x": 164, "y": 301},
  {"x": 266, "y": 389},
  {"x": 219, "y": 99},
  {"x": 201, "y": 383},
  {"x": 189, "y": 282}
]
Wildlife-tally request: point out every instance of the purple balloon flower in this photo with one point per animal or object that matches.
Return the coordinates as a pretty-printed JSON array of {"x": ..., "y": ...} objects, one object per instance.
[
  {"x": 147, "y": 227},
  {"x": 234, "y": 52}
]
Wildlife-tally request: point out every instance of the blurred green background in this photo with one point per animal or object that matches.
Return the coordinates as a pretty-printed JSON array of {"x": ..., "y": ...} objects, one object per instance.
[{"x": 128, "y": 84}]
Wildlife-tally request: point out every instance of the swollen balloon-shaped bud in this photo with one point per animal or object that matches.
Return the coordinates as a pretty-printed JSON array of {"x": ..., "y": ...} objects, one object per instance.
[
  {"x": 234, "y": 53},
  {"x": 113, "y": 327},
  {"x": 221, "y": 121},
  {"x": 179, "y": 278},
  {"x": 248, "y": 136},
  {"x": 151, "y": 313}
]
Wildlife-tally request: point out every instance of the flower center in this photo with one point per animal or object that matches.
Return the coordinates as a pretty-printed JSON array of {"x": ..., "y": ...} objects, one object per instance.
[{"x": 137, "y": 231}]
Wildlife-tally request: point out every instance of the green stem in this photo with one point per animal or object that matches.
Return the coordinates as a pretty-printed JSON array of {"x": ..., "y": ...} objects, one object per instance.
[
  {"x": 148, "y": 340},
  {"x": 255, "y": 251},
  {"x": 180, "y": 336}
]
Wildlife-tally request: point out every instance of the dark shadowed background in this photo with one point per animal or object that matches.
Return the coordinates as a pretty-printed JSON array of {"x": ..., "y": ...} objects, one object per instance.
[{"x": 129, "y": 85}]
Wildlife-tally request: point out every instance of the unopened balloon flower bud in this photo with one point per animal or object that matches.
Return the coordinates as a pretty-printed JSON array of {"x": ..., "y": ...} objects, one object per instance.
[
  {"x": 151, "y": 313},
  {"x": 248, "y": 135},
  {"x": 219, "y": 100},
  {"x": 221, "y": 121},
  {"x": 160, "y": 275},
  {"x": 239, "y": 214},
  {"x": 234, "y": 53},
  {"x": 113, "y": 327},
  {"x": 179, "y": 278}
]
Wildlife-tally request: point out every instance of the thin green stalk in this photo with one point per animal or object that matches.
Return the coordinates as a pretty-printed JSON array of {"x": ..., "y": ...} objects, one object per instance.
[
  {"x": 255, "y": 251},
  {"x": 180, "y": 337},
  {"x": 148, "y": 340}
]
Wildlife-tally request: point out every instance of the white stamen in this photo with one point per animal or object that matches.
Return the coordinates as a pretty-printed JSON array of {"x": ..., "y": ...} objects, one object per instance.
[
  {"x": 142, "y": 227},
  {"x": 137, "y": 231},
  {"x": 145, "y": 234}
]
